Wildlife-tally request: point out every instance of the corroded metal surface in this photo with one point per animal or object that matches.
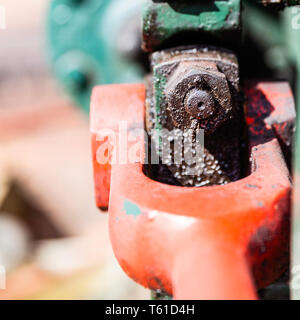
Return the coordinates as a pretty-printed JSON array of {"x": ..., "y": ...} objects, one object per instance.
[
  {"x": 195, "y": 89},
  {"x": 197, "y": 20},
  {"x": 240, "y": 229},
  {"x": 282, "y": 120}
]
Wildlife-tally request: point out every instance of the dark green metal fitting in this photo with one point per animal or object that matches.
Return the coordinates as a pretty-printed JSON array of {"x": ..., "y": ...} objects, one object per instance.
[{"x": 218, "y": 21}]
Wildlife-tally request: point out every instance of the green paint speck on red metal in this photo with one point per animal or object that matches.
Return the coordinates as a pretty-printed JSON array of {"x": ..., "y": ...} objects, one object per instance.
[{"x": 131, "y": 208}]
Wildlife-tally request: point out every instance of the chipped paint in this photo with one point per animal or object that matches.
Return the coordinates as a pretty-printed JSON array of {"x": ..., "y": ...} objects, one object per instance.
[
  {"x": 131, "y": 208},
  {"x": 260, "y": 204},
  {"x": 163, "y": 20},
  {"x": 252, "y": 186}
]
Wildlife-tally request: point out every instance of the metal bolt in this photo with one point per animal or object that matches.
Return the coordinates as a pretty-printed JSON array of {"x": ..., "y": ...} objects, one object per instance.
[
  {"x": 198, "y": 90},
  {"x": 200, "y": 104}
]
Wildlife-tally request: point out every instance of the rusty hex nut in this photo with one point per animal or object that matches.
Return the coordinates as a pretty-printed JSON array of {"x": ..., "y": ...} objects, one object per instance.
[
  {"x": 195, "y": 92},
  {"x": 200, "y": 104}
]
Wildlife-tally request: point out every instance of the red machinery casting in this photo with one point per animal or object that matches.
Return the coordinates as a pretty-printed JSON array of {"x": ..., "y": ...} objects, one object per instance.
[{"x": 218, "y": 242}]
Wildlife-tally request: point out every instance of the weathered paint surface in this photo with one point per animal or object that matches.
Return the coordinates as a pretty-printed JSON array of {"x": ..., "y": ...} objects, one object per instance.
[
  {"x": 131, "y": 208},
  {"x": 187, "y": 239},
  {"x": 178, "y": 72},
  {"x": 106, "y": 114},
  {"x": 163, "y": 20}
]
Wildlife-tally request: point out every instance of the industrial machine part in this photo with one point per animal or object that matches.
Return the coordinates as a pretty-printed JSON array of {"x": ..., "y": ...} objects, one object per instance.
[
  {"x": 226, "y": 214},
  {"x": 194, "y": 236},
  {"x": 190, "y": 22},
  {"x": 95, "y": 42},
  {"x": 192, "y": 90}
]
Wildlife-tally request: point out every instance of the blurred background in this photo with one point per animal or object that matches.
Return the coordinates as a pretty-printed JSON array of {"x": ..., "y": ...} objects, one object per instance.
[{"x": 54, "y": 242}]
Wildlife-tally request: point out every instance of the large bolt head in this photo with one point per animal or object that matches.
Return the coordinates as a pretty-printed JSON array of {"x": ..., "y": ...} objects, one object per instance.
[
  {"x": 200, "y": 104},
  {"x": 198, "y": 91}
]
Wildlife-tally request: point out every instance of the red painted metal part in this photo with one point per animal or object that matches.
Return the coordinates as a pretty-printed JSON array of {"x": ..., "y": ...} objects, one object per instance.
[
  {"x": 107, "y": 111},
  {"x": 218, "y": 242}
]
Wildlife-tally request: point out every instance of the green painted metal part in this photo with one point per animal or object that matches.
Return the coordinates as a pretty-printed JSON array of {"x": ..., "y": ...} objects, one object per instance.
[
  {"x": 87, "y": 40},
  {"x": 162, "y": 20}
]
